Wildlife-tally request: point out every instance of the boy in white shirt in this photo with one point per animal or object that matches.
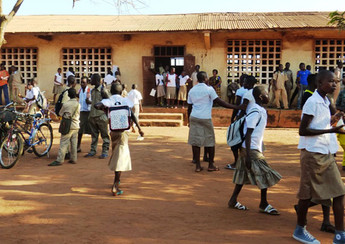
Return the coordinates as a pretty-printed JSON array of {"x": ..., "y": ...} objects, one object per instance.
[
  {"x": 109, "y": 79},
  {"x": 320, "y": 177},
  {"x": 135, "y": 96},
  {"x": 182, "y": 93},
  {"x": 201, "y": 132},
  {"x": 58, "y": 84},
  {"x": 30, "y": 97},
  {"x": 252, "y": 167}
]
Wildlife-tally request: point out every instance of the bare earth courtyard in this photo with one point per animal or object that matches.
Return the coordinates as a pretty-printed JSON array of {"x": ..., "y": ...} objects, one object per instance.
[{"x": 164, "y": 200}]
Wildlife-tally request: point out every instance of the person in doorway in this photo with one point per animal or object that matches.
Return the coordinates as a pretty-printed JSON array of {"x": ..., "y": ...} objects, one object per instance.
[
  {"x": 136, "y": 98},
  {"x": 84, "y": 93},
  {"x": 320, "y": 177},
  {"x": 98, "y": 120},
  {"x": 171, "y": 88},
  {"x": 182, "y": 94},
  {"x": 252, "y": 167},
  {"x": 201, "y": 132},
  {"x": 215, "y": 81},
  {"x": 58, "y": 85},
  {"x": 289, "y": 82},
  {"x": 4, "y": 75},
  {"x": 279, "y": 80},
  {"x": 160, "y": 87},
  {"x": 70, "y": 109},
  {"x": 194, "y": 74}
]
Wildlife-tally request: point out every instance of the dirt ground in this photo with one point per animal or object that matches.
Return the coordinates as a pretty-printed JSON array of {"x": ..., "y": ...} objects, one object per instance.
[{"x": 164, "y": 200}]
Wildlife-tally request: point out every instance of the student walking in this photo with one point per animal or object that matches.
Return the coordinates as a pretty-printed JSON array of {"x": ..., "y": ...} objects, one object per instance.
[
  {"x": 252, "y": 167},
  {"x": 320, "y": 177},
  {"x": 136, "y": 98},
  {"x": 58, "y": 84},
  {"x": 120, "y": 159},
  {"x": 201, "y": 132},
  {"x": 182, "y": 93}
]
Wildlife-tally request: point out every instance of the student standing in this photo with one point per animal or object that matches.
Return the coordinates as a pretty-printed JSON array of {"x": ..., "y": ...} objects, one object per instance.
[
  {"x": 120, "y": 159},
  {"x": 109, "y": 78},
  {"x": 171, "y": 80},
  {"x": 201, "y": 132},
  {"x": 338, "y": 72},
  {"x": 279, "y": 80},
  {"x": 70, "y": 109},
  {"x": 4, "y": 75},
  {"x": 194, "y": 74},
  {"x": 252, "y": 167},
  {"x": 215, "y": 81},
  {"x": 98, "y": 119},
  {"x": 289, "y": 82},
  {"x": 302, "y": 81},
  {"x": 160, "y": 87},
  {"x": 182, "y": 93},
  {"x": 340, "y": 105},
  {"x": 320, "y": 177},
  {"x": 84, "y": 93},
  {"x": 58, "y": 85},
  {"x": 135, "y": 96},
  {"x": 14, "y": 82}
]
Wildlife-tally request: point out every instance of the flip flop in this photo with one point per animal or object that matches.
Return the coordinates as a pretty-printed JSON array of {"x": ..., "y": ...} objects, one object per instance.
[
  {"x": 228, "y": 166},
  {"x": 269, "y": 210},
  {"x": 117, "y": 193},
  {"x": 215, "y": 168},
  {"x": 199, "y": 169},
  {"x": 239, "y": 206}
]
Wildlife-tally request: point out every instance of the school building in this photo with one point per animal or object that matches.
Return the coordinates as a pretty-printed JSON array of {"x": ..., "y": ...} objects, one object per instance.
[{"x": 232, "y": 43}]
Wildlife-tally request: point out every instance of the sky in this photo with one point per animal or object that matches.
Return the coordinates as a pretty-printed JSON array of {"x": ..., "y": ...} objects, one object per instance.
[{"x": 107, "y": 7}]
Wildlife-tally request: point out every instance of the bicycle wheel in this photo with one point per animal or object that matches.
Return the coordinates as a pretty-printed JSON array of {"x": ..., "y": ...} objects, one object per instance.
[
  {"x": 11, "y": 149},
  {"x": 43, "y": 140}
]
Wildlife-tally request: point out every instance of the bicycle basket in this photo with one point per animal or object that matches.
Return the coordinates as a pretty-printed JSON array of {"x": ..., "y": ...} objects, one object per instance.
[{"x": 6, "y": 116}]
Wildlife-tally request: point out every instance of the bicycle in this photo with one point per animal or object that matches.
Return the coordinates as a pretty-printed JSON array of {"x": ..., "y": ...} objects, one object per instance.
[{"x": 11, "y": 146}]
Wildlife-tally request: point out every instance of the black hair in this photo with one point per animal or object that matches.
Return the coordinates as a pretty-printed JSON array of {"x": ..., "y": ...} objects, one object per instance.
[
  {"x": 215, "y": 71},
  {"x": 251, "y": 80},
  {"x": 85, "y": 77},
  {"x": 70, "y": 80},
  {"x": 201, "y": 76},
  {"x": 96, "y": 77},
  {"x": 72, "y": 93},
  {"x": 70, "y": 69},
  {"x": 134, "y": 86},
  {"x": 323, "y": 74},
  {"x": 312, "y": 82},
  {"x": 116, "y": 88},
  {"x": 257, "y": 91}
]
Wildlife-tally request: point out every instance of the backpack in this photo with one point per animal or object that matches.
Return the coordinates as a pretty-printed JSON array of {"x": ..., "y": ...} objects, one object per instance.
[
  {"x": 235, "y": 135},
  {"x": 41, "y": 101},
  {"x": 58, "y": 104},
  {"x": 119, "y": 117}
]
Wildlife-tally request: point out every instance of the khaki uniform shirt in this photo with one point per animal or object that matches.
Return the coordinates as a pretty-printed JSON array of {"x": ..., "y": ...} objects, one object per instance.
[
  {"x": 280, "y": 78},
  {"x": 96, "y": 97},
  {"x": 69, "y": 109}
]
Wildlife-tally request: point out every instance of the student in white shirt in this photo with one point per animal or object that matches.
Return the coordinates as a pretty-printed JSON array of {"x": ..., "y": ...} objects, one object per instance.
[
  {"x": 171, "y": 88},
  {"x": 252, "y": 167},
  {"x": 30, "y": 97},
  {"x": 194, "y": 75},
  {"x": 120, "y": 159},
  {"x": 69, "y": 72},
  {"x": 320, "y": 176},
  {"x": 58, "y": 84},
  {"x": 248, "y": 99},
  {"x": 182, "y": 93},
  {"x": 135, "y": 96},
  {"x": 201, "y": 132},
  {"x": 109, "y": 79},
  {"x": 160, "y": 88},
  {"x": 84, "y": 93}
]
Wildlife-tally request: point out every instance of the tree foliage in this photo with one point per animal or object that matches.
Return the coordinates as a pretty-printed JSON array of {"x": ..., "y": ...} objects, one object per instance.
[{"x": 337, "y": 19}]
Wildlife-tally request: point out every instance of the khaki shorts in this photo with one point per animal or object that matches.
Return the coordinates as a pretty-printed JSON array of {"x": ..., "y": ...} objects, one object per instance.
[
  {"x": 171, "y": 93},
  {"x": 58, "y": 89},
  {"x": 182, "y": 93}
]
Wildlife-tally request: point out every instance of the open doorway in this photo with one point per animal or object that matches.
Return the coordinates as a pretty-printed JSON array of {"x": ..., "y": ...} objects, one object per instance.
[{"x": 171, "y": 62}]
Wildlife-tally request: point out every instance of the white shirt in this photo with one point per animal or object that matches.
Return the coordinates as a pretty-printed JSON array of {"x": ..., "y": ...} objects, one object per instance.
[
  {"x": 68, "y": 73},
  {"x": 30, "y": 94},
  {"x": 58, "y": 79},
  {"x": 241, "y": 91},
  {"x": 171, "y": 80},
  {"x": 257, "y": 121},
  {"x": 117, "y": 100},
  {"x": 84, "y": 107},
  {"x": 249, "y": 96},
  {"x": 159, "y": 80},
  {"x": 109, "y": 79},
  {"x": 194, "y": 78},
  {"x": 318, "y": 107},
  {"x": 135, "y": 96},
  {"x": 201, "y": 97},
  {"x": 183, "y": 80}
]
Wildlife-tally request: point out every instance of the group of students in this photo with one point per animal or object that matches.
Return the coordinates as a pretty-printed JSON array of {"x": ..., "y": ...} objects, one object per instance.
[
  {"x": 320, "y": 180},
  {"x": 174, "y": 88},
  {"x": 87, "y": 110}
]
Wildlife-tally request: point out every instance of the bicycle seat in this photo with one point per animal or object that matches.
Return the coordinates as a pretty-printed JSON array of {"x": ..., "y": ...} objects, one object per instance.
[{"x": 38, "y": 115}]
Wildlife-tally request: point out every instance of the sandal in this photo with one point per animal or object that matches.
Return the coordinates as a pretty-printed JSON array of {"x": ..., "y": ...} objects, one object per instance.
[
  {"x": 116, "y": 193},
  {"x": 199, "y": 169},
  {"x": 214, "y": 168},
  {"x": 269, "y": 210},
  {"x": 327, "y": 228},
  {"x": 228, "y": 166},
  {"x": 239, "y": 206}
]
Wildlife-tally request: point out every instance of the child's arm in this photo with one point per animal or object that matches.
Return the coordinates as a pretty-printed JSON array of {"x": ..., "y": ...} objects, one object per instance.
[
  {"x": 137, "y": 124},
  {"x": 234, "y": 113},
  {"x": 305, "y": 130},
  {"x": 228, "y": 105},
  {"x": 247, "y": 142}
]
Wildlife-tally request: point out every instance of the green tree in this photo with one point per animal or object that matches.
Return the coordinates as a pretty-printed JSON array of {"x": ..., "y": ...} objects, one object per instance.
[{"x": 337, "y": 19}]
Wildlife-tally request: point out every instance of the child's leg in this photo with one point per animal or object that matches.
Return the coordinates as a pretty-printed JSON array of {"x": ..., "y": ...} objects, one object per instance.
[
  {"x": 302, "y": 211},
  {"x": 263, "y": 202},
  {"x": 338, "y": 209},
  {"x": 233, "y": 199},
  {"x": 211, "y": 152},
  {"x": 117, "y": 180},
  {"x": 206, "y": 155},
  {"x": 326, "y": 212},
  {"x": 196, "y": 157}
]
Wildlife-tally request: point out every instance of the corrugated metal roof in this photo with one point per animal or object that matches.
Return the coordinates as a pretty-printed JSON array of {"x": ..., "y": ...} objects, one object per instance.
[{"x": 178, "y": 22}]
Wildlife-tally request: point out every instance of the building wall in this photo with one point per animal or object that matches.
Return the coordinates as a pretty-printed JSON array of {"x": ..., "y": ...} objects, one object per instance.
[{"x": 127, "y": 54}]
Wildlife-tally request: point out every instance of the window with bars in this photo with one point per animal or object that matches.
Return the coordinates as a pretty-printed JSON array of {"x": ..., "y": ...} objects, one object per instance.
[
  {"x": 86, "y": 61},
  {"x": 328, "y": 53},
  {"x": 259, "y": 58},
  {"x": 25, "y": 59},
  {"x": 168, "y": 51}
]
